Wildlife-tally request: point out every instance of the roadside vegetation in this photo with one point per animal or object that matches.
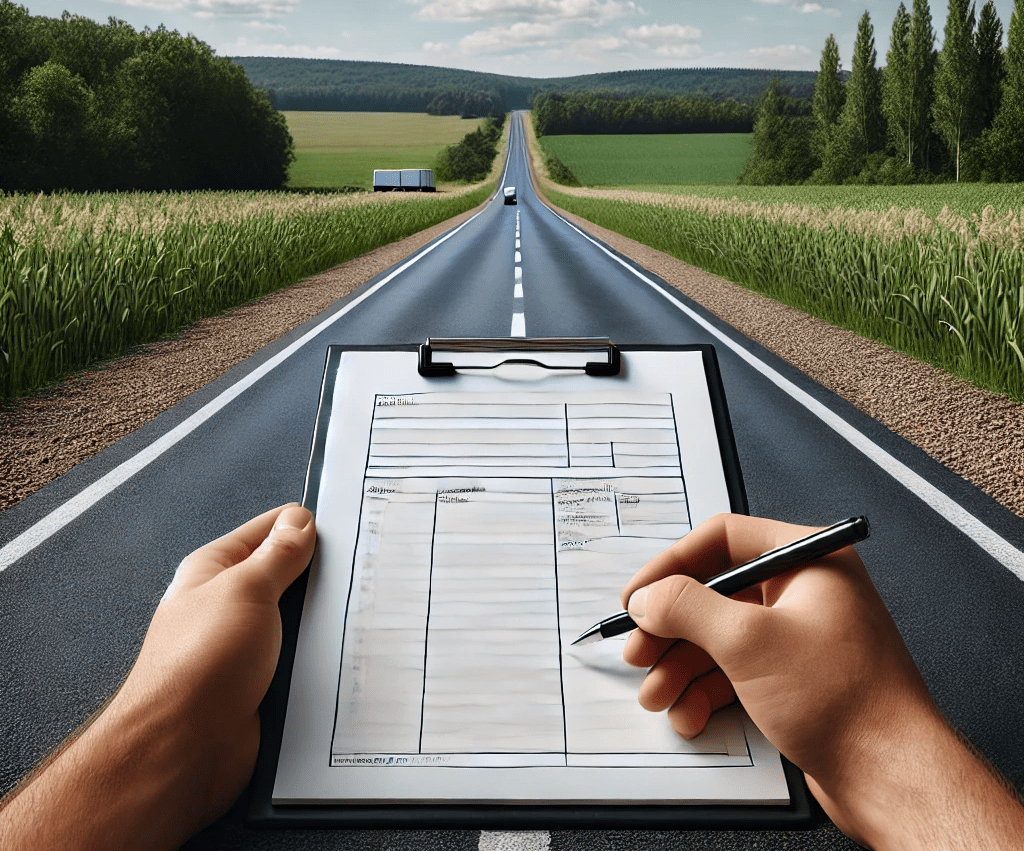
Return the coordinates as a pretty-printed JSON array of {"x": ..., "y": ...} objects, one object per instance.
[
  {"x": 86, "y": 277},
  {"x": 473, "y": 158}
]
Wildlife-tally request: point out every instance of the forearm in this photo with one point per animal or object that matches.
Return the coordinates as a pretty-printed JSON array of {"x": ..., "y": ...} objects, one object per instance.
[
  {"x": 122, "y": 783},
  {"x": 931, "y": 792}
]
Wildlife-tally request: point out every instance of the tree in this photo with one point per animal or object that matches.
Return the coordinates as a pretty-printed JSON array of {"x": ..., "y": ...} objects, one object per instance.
[
  {"x": 988, "y": 41},
  {"x": 861, "y": 129},
  {"x": 827, "y": 104},
  {"x": 921, "y": 80},
  {"x": 781, "y": 145},
  {"x": 1005, "y": 142},
  {"x": 897, "y": 86},
  {"x": 955, "y": 111}
]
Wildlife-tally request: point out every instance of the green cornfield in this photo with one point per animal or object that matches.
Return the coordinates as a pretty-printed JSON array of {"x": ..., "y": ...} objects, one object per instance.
[
  {"x": 947, "y": 289},
  {"x": 86, "y": 277}
]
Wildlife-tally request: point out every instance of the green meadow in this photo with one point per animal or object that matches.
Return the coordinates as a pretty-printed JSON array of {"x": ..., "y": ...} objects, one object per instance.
[
  {"x": 652, "y": 159},
  {"x": 343, "y": 148}
]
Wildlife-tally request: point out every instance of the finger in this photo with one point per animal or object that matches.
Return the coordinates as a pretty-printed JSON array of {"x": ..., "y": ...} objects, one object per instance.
[
  {"x": 226, "y": 551},
  {"x": 282, "y": 556},
  {"x": 643, "y": 650},
  {"x": 673, "y": 673},
  {"x": 690, "y": 714},
  {"x": 681, "y": 607},
  {"x": 716, "y": 545}
]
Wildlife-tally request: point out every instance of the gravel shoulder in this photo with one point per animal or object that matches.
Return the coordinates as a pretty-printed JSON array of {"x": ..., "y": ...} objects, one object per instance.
[{"x": 977, "y": 434}]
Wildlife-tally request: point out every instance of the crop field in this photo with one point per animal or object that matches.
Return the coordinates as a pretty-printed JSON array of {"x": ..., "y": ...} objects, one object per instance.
[
  {"x": 964, "y": 199},
  {"x": 85, "y": 277},
  {"x": 947, "y": 289},
  {"x": 343, "y": 148},
  {"x": 694, "y": 158}
]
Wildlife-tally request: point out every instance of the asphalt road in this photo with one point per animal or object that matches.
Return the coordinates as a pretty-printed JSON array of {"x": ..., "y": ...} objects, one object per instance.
[{"x": 77, "y": 597}]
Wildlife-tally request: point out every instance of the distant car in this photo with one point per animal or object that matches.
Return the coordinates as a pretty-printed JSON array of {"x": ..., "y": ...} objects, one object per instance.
[{"x": 510, "y": 195}]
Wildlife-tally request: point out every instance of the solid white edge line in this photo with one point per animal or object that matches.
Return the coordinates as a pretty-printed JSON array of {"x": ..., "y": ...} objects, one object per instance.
[
  {"x": 69, "y": 511},
  {"x": 988, "y": 539}
]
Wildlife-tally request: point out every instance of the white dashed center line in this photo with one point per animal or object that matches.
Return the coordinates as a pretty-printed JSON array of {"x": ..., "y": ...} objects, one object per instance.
[{"x": 518, "y": 315}]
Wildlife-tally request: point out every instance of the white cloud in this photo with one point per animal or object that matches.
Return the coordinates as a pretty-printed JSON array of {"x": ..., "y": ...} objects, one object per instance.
[
  {"x": 263, "y": 25},
  {"x": 563, "y": 11},
  {"x": 440, "y": 47},
  {"x": 520, "y": 34},
  {"x": 674, "y": 41},
  {"x": 243, "y": 46}
]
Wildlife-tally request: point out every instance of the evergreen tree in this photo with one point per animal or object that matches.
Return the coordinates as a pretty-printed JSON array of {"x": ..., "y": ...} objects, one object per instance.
[
  {"x": 955, "y": 110},
  {"x": 921, "y": 79},
  {"x": 861, "y": 128},
  {"x": 989, "y": 43},
  {"x": 1005, "y": 148},
  {"x": 780, "y": 147},
  {"x": 897, "y": 86},
  {"x": 828, "y": 99}
]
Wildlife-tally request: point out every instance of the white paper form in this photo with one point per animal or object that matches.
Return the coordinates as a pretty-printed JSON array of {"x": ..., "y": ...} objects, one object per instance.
[{"x": 489, "y": 524}]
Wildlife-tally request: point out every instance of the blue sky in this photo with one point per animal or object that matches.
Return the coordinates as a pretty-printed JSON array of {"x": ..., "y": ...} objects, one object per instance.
[{"x": 533, "y": 38}]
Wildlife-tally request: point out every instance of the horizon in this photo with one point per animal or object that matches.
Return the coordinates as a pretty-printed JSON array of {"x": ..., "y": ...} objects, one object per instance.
[{"x": 534, "y": 39}]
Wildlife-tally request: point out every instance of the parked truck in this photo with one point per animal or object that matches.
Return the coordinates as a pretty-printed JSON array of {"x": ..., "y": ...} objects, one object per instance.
[{"x": 403, "y": 180}]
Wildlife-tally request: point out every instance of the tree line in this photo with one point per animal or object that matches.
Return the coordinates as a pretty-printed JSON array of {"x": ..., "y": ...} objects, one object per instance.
[
  {"x": 472, "y": 158},
  {"x": 929, "y": 114},
  {"x": 85, "y": 106},
  {"x": 347, "y": 85},
  {"x": 604, "y": 112}
]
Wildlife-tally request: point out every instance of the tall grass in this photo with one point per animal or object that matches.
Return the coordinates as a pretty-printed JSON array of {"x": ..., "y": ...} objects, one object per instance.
[
  {"x": 948, "y": 290},
  {"x": 86, "y": 277}
]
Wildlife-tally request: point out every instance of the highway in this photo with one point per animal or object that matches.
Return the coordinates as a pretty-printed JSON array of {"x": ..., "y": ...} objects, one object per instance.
[{"x": 83, "y": 562}]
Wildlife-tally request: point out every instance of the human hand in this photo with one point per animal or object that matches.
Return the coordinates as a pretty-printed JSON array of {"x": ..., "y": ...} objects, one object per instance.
[
  {"x": 175, "y": 745},
  {"x": 813, "y": 656}
]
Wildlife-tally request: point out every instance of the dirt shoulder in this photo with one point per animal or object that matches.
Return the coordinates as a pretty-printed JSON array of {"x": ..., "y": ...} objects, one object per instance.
[{"x": 977, "y": 434}]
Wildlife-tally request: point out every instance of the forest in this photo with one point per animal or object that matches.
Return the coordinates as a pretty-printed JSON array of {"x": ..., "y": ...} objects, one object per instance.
[
  {"x": 86, "y": 106},
  {"x": 930, "y": 114},
  {"x": 556, "y": 114},
  {"x": 336, "y": 84}
]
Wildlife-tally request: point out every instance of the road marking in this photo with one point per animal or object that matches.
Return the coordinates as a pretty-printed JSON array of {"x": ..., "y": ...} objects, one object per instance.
[
  {"x": 519, "y": 273},
  {"x": 988, "y": 539},
  {"x": 519, "y": 257},
  {"x": 85, "y": 499},
  {"x": 518, "y": 243},
  {"x": 518, "y": 293},
  {"x": 518, "y": 325},
  {"x": 514, "y": 840}
]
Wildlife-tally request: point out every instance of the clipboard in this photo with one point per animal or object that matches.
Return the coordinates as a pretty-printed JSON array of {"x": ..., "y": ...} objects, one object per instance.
[{"x": 440, "y": 361}]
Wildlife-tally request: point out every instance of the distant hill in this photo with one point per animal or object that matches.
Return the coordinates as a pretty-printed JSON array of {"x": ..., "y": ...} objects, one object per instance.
[{"x": 346, "y": 86}]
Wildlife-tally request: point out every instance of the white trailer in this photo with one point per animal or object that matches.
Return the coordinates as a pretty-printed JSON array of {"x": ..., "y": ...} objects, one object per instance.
[{"x": 403, "y": 180}]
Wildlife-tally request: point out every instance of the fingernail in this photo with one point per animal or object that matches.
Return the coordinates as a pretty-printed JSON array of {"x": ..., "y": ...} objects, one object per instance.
[
  {"x": 637, "y": 606},
  {"x": 292, "y": 518}
]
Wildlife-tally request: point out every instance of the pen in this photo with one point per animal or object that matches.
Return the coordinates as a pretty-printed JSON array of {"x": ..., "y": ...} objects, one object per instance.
[{"x": 773, "y": 563}]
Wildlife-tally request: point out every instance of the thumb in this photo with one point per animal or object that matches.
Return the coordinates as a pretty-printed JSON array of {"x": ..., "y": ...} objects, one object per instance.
[
  {"x": 682, "y": 607},
  {"x": 284, "y": 553}
]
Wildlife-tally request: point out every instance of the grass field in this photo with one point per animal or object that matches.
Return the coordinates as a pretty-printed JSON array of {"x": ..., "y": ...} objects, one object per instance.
[
  {"x": 667, "y": 159},
  {"x": 343, "y": 148}
]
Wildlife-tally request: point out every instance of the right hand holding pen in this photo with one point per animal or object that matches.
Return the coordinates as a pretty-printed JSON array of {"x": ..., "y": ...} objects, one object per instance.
[{"x": 813, "y": 655}]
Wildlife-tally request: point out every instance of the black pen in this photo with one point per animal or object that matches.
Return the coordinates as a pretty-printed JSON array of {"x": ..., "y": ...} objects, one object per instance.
[{"x": 773, "y": 563}]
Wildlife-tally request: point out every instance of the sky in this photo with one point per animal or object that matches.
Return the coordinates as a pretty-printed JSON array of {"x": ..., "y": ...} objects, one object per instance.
[{"x": 529, "y": 38}]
